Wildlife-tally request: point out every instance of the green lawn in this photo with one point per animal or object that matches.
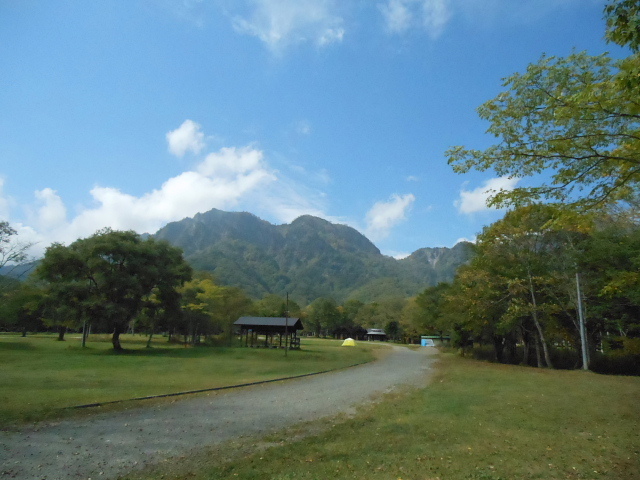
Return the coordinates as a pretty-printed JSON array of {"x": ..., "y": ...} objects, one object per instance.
[
  {"x": 41, "y": 376},
  {"x": 475, "y": 421}
]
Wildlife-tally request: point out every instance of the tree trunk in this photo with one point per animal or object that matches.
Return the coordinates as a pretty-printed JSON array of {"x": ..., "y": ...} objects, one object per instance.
[
  {"x": 85, "y": 333},
  {"x": 547, "y": 357},
  {"x": 149, "y": 339},
  {"x": 115, "y": 339},
  {"x": 61, "y": 331},
  {"x": 538, "y": 356}
]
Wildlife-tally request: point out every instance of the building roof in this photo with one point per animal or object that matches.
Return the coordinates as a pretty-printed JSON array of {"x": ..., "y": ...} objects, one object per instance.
[
  {"x": 375, "y": 331},
  {"x": 290, "y": 322}
]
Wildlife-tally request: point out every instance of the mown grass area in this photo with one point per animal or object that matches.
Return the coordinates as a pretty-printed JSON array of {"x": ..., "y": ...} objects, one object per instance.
[
  {"x": 40, "y": 376},
  {"x": 475, "y": 421}
]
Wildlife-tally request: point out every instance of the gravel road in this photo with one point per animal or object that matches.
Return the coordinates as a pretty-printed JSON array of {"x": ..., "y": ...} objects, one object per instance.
[{"x": 106, "y": 445}]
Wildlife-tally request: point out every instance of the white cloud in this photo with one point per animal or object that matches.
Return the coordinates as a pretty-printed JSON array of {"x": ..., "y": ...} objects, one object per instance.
[
  {"x": 465, "y": 239},
  {"x": 51, "y": 211},
  {"x": 385, "y": 215},
  {"x": 24, "y": 234},
  {"x": 397, "y": 16},
  {"x": 401, "y": 16},
  {"x": 398, "y": 255},
  {"x": 330, "y": 35},
  {"x": 436, "y": 15},
  {"x": 233, "y": 178},
  {"x": 231, "y": 161},
  {"x": 187, "y": 137},
  {"x": 222, "y": 180},
  {"x": 219, "y": 181},
  {"x": 280, "y": 23},
  {"x": 473, "y": 201}
]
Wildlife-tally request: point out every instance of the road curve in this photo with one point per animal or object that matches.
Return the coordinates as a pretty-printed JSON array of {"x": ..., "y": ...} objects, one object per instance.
[{"x": 111, "y": 444}]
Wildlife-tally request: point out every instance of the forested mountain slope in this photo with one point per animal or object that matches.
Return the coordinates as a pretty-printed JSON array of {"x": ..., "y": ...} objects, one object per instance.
[{"x": 308, "y": 258}]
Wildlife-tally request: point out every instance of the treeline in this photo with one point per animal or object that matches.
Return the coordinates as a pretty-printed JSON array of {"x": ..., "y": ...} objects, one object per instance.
[
  {"x": 519, "y": 299},
  {"x": 536, "y": 272},
  {"x": 116, "y": 282}
]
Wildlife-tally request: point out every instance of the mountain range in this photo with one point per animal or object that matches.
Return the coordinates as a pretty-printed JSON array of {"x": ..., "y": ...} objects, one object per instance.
[{"x": 308, "y": 258}]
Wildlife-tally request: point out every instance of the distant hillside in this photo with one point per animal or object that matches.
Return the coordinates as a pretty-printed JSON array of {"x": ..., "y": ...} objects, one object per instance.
[
  {"x": 308, "y": 258},
  {"x": 20, "y": 272}
]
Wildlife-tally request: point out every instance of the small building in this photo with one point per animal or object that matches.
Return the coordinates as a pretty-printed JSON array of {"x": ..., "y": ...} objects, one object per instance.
[
  {"x": 274, "y": 330},
  {"x": 374, "y": 334}
]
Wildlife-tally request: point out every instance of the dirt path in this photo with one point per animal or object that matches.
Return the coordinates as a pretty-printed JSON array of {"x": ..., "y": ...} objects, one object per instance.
[{"x": 107, "y": 445}]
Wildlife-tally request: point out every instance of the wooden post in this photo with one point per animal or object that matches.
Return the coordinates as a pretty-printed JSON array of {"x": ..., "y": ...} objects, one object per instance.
[{"x": 286, "y": 325}]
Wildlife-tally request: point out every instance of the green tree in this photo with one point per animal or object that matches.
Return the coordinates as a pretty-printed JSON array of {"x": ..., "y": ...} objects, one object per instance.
[
  {"x": 118, "y": 270},
  {"x": 161, "y": 311},
  {"x": 64, "y": 309},
  {"x": 323, "y": 316},
  {"x": 379, "y": 314},
  {"x": 199, "y": 297},
  {"x": 347, "y": 327},
  {"x": 623, "y": 23},
  {"x": 476, "y": 304},
  {"x": 350, "y": 309},
  {"x": 411, "y": 321},
  {"x": 522, "y": 284},
  {"x": 22, "y": 308},
  {"x": 576, "y": 117},
  {"x": 393, "y": 329},
  {"x": 69, "y": 294},
  {"x": 230, "y": 304},
  {"x": 431, "y": 303},
  {"x": 611, "y": 264},
  {"x": 273, "y": 305},
  {"x": 522, "y": 250},
  {"x": 211, "y": 308}
]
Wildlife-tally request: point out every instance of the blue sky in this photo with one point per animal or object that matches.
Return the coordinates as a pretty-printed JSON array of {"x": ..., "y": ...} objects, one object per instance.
[{"x": 134, "y": 114}]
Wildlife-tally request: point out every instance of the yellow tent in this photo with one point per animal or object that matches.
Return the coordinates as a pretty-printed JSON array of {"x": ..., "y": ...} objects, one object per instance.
[{"x": 349, "y": 343}]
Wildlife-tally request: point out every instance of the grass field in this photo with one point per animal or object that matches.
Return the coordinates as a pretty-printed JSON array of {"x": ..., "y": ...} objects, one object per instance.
[
  {"x": 41, "y": 376},
  {"x": 475, "y": 421}
]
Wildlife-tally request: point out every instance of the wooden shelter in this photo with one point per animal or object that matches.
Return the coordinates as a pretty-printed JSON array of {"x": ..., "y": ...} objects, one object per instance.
[
  {"x": 274, "y": 330},
  {"x": 376, "y": 334}
]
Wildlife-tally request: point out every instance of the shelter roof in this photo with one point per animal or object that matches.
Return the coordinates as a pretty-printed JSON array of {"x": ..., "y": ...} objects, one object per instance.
[
  {"x": 375, "y": 331},
  {"x": 291, "y": 322}
]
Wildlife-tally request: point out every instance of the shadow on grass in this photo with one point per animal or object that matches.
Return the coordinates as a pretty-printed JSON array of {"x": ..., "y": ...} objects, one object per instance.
[
  {"x": 172, "y": 352},
  {"x": 16, "y": 346}
]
